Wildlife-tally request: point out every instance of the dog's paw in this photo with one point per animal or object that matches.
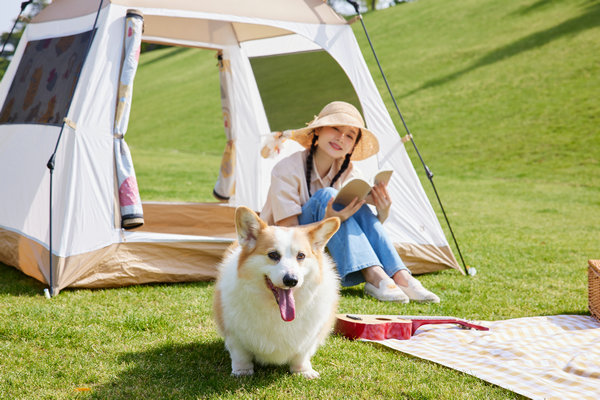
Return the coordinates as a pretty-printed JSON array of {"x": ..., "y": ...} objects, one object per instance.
[
  {"x": 242, "y": 372},
  {"x": 308, "y": 373}
]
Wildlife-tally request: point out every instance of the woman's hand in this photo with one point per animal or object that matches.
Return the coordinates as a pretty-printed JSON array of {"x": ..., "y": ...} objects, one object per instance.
[
  {"x": 344, "y": 213},
  {"x": 382, "y": 201}
]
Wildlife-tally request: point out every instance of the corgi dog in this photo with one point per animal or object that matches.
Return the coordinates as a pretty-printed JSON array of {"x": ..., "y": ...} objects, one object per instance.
[{"x": 276, "y": 294}]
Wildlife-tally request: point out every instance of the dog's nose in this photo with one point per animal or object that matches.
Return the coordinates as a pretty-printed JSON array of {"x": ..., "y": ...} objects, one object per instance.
[{"x": 290, "y": 280}]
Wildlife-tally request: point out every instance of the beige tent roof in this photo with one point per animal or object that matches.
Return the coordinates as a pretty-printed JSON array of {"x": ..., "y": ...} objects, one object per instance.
[{"x": 183, "y": 19}]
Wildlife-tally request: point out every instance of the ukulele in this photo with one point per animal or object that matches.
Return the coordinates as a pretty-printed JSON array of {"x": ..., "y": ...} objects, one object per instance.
[{"x": 380, "y": 327}]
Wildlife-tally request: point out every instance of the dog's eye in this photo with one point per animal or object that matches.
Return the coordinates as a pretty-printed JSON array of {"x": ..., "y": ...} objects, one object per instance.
[
  {"x": 274, "y": 255},
  {"x": 300, "y": 256}
]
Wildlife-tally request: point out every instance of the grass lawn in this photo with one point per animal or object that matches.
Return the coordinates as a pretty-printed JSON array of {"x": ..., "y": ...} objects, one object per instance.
[{"x": 502, "y": 99}]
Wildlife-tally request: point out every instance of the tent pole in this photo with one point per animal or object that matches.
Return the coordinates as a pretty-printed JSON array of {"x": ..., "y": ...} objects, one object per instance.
[
  {"x": 23, "y": 6},
  {"x": 468, "y": 270},
  {"x": 51, "y": 161},
  {"x": 50, "y": 166}
]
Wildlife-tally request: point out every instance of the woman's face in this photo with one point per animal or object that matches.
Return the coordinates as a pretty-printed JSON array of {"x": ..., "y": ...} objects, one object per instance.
[{"x": 336, "y": 141}]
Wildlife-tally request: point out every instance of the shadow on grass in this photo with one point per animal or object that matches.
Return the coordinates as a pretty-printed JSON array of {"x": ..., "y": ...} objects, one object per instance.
[
  {"x": 187, "y": 371},
  {"x": 588, "y": 20},
  {"x": 16, "y": 283},
  {"x": 353, "y": 291},
  {"x": 537, "y": 6},
  {"x": 574, "y": 312}
]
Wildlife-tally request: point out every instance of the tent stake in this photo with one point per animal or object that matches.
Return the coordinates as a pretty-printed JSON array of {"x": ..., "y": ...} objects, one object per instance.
[{"x": 468, "y": 270}]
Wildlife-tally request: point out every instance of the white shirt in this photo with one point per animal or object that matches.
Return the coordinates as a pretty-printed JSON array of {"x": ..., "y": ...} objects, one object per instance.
[{"x": 288, "y": 191}]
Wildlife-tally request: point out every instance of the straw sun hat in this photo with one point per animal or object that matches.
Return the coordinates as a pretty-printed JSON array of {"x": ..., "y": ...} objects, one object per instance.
[{"x": 339, "y": 113}]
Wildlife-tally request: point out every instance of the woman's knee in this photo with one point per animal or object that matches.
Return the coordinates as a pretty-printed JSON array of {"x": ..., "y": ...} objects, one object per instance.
[
  {"x": 314, "y": 209},
  {"x": 365, "y": 212},
  {"x": 325, "y": 194}
]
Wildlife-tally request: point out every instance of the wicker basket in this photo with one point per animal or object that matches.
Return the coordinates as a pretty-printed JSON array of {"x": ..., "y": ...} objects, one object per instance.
[{"x": 594, "y": 288}]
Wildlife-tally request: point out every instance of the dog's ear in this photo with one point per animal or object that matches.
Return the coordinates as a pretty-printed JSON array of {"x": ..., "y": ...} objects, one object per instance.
[
  {"x": 320, "y": 232},
  {"x": 248, "y": 225}
]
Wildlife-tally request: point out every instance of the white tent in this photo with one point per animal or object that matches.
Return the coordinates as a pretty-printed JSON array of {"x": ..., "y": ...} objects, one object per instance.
[{"x": 178, "y": 242}]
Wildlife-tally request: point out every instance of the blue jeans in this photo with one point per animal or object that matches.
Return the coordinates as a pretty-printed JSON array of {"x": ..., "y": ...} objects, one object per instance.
[{"x": 360, "y": 242}]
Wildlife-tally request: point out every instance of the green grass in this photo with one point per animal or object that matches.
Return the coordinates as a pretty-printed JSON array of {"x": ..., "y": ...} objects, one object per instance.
[
  {"x": 176, "y": 131},
  {"x": 502, "y": 99},
  {"x": 291, "y": 105}
]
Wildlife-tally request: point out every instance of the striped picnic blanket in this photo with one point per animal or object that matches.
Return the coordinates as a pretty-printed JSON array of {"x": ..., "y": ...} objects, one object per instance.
[{"x": 554, "y": 357}]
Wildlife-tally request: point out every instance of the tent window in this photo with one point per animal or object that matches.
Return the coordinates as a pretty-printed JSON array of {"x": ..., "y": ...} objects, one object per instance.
[
  {"x": 299, "y": 85},
  {"x": 45, "y": 80}
]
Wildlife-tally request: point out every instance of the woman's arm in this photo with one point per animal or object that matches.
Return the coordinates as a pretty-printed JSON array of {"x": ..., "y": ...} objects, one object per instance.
[{"x": 289, "y": 221}]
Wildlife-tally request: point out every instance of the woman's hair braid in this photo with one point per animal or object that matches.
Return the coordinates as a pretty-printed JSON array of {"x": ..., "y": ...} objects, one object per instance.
[
  {"x": 309, "y": 162},
  {"x": 346, "y": 161},
  {"x": 342, "y": 168}
]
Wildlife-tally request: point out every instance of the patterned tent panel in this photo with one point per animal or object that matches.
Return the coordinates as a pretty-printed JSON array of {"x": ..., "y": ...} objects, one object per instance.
[{"x": 45, "y": 80}]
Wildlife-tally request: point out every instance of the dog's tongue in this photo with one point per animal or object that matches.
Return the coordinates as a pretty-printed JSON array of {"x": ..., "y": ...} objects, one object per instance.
[{"x": 287, "y": 306}]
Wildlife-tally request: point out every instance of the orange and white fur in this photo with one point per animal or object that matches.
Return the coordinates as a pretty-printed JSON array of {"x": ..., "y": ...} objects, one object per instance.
[{"x": 276, "y": 294}]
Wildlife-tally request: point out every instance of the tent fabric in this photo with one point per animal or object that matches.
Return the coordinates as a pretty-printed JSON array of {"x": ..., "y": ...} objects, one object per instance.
[
  {"x": 178, "y": 242},
  {"x": 142, "y": 260},
  {"x": 199, "y": 219},
  {"x": 130, "y": 202},
  {"x": 225, "y": 185},
  {"x": 86, "y": 216},
  {"x": 308, "y": 11}
]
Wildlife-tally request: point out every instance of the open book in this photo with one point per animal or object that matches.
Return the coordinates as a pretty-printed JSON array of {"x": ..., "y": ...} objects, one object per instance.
[{"x": 360, "y": 188}]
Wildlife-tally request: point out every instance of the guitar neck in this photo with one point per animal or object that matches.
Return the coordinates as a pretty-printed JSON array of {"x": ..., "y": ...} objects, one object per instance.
[
  {"x": 400, "y": 327},
  {"x": 420, "y": 320},
  {"x": 424, "y": 317}
]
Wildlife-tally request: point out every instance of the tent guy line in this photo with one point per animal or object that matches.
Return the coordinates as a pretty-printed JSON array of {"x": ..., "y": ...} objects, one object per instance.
[{"x": 470, "y": 271}]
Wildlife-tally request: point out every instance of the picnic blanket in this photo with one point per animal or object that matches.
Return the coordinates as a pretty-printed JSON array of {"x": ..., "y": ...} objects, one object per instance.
[{"x": 553, "y": 357}]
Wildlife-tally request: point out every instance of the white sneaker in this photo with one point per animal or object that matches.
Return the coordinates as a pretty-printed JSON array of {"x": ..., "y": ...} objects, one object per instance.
[
  {"x": 416, "y": 292},
  {"x": 387, "y": 291}
]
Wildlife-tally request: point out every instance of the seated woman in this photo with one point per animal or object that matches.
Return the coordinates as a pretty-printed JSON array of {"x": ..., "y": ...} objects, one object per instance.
[{"x": 302, "y": 190}]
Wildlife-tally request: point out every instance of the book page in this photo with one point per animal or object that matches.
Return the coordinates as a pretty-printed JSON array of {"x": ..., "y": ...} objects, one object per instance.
[
  {"x": 360, "y": 188},
  {"x": 354, "y": 188},
  {"x": 383, "y": 176}
]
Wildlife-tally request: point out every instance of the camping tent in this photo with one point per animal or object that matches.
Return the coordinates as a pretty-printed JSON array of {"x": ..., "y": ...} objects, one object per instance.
[{"x": 64, "y": 80}]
